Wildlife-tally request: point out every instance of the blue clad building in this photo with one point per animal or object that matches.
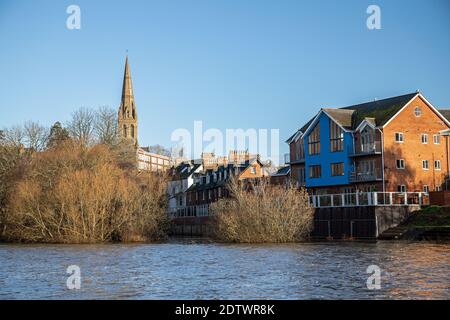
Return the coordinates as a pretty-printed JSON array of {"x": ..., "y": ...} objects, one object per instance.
[{"x": 329, "y": 142}]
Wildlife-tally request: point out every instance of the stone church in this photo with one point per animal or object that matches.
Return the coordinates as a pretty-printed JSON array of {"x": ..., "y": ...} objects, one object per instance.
[{"x": 128, "y": 127}]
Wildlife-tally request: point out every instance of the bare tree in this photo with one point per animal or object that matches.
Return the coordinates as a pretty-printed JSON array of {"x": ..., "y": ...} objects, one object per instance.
[
  {"x": 106, "y": 125},
  {"x": 35, "y": 136},
  {"x": 158, "y": 149},
  {"x": 14, "y": 136},
  {"x": 81, "y": 126}
]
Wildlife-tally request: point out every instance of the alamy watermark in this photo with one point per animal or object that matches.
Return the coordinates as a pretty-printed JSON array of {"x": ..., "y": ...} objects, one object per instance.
[
  {"x": 374, "y": 280},
  {"x": 74, "y": 280},
  {"x": 74, "y": 19},
  {"x": 264, "y": 142},
  {"x": 373, "y": 22}
]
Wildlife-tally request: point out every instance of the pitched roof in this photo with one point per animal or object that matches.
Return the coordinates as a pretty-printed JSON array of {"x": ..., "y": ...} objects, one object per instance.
[
  {"x": 282, "y": 171},
  {"x": 380, "y": 110},
  {"x": 377, "y": 112},
  {"x": 445, "y": 113},
  {"x": 342, "y": 116}
]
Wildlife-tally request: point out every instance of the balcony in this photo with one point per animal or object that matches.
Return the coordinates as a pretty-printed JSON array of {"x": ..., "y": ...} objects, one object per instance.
[
  {"x": 366, "y": 149},
  {"x": 367, "y": 176},
  {"x": 297, "y": 159}
]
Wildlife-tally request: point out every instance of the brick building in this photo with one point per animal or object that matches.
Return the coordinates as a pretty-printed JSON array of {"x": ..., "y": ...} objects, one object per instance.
[
  {"x": 196, "y": 184},
  {"x": 389, "y": 145}
]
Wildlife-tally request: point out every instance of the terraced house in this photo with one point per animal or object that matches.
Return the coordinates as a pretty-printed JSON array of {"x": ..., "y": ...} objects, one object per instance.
[{"x": 390, "y": 145}]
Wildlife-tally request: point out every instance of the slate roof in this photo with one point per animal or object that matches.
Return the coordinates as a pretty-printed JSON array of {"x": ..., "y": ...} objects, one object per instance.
[
  {"x": 378, "y": 112},
  {"x": 445, "y": 113},
  {"x": 282, "y": 171},
  {"x": 342, "y": 116}
]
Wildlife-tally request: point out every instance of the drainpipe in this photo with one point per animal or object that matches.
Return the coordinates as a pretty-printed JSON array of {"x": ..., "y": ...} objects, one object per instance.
[
  {"x": 382, "y": 160},
  {"x": 448, "y": 170}
]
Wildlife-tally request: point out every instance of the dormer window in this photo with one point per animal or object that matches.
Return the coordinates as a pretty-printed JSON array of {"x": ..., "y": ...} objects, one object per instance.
[{"x": 417, "y": 111}]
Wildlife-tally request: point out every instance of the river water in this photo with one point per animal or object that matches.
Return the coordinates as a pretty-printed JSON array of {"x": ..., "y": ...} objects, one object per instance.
[{"x": 186, "y": 269}]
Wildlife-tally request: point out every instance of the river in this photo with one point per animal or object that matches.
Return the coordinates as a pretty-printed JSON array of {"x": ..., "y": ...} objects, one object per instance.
[{"x": 187, "y": 269}]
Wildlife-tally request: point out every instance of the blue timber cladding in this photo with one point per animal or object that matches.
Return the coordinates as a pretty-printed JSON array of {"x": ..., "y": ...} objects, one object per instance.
[{"x": 326, "y": 157}]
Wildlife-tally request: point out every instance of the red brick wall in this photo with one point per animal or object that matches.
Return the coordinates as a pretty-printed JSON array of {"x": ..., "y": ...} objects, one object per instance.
[{"x": 412, "y": 150}]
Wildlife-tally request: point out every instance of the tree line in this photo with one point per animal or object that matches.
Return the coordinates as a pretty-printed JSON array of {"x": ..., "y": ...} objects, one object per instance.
[{"x": 77, "y": 183}]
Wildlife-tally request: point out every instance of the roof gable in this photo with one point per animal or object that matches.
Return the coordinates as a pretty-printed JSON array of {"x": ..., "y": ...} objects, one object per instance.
[{"x": 381, "y": 110}]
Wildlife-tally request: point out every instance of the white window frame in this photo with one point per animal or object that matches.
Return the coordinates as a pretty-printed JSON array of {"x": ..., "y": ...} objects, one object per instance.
[
  {"x": 423, "y": 165},
  {"x": 417, "y": 111},
  {"x": 402, "y": 188},
  {"x": 437, "y": 138},
  {"x": 437, "y": 167},
  {"x": 400, "y": 135},
  {"x": 253, "y": 170},
  {"x": 400, "y": 167},
  {"x": 424, "y": 135},
  {"x": 426, "y": 188}
]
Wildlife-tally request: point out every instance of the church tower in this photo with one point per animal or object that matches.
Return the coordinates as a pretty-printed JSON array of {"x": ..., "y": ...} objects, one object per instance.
[{"x": 127, "y": 117}]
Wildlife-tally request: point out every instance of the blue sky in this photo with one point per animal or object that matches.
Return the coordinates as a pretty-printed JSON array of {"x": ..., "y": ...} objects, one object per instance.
[{"x": 232, "y": 64}]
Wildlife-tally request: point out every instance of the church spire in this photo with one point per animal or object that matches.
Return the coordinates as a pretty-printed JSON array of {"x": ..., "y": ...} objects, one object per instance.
[
  {"x": 127, "y": 116},
  {"x": 127, "y": 88}
]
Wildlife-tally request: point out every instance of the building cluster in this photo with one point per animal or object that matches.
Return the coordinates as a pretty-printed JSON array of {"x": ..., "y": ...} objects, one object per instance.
[
  {"x": 197, "y": 183},
  {"x": 398, "y": 144}
]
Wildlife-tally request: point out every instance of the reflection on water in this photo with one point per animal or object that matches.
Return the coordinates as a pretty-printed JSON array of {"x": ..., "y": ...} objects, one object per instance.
[{"x": 186, "y": 270}]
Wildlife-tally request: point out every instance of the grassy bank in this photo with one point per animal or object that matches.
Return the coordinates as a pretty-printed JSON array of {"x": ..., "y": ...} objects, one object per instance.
[{"x": 432, "y": 216}]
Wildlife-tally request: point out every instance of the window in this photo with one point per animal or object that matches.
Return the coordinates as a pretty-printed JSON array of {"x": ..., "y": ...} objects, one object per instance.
[
  {"x": 124, "y": 130},
  {"x": 400, "y": 164},
  {"x": 425, "y": 165},
  {"x": 438, "y": 188},
  {"x": 367, "y": 139},
  {"x": 337, "y": 169},
  {"x": 301, "y": 175},
  {"x": 299, "y": 150},
  {"x": 417, "y": 111},
  {"x": 401, "y": 188},
  {"x": 132, "y": 130},
  {"x": 436, "y": 139},
  {"x": 366, "y": 167},
  {"x": 315, "y": 171},
  {"x": 426, "y": 189},
  {"x": 399, "y": 137},
  {"x": 336, "y": 137},
  {"x": 314, "y": 141},
  {"x": 437, "y": 164},
  {"x": 252, "y": 170},
  {"x": 424, "y": 138}
]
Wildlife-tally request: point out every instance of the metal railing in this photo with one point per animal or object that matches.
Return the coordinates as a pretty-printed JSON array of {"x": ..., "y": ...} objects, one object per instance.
[
  {"x": 369, "y": 199},
  {"x": 189, "y": 211},
  {"x": 367, "y": 148},
  {"x": 356, "y": 176}
]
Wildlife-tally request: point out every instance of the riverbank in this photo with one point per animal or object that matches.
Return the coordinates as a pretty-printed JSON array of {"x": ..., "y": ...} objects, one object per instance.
[{"x": 431, "y": 223}]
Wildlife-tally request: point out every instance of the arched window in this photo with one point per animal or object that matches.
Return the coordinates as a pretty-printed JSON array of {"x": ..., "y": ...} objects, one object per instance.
[
  {"x": 132, "y": 112},
  {"x": 132, "y": 130},
  {"x": 125, "y": 130}
]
